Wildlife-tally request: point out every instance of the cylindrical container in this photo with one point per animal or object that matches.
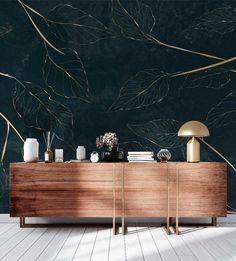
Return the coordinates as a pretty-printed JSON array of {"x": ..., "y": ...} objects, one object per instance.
[
  {"x": 31, "y": 150},
  {"x": 81, "y": 153},
  {"x": 58, "y": 155},
  {"x": 48, "y": 156}
]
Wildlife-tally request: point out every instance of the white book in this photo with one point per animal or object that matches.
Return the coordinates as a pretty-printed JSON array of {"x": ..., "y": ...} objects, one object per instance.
[
  {"x": 140, "y": 158},
  {"x": 140, "y": 152},
  {"x": 142, "y": 161}
]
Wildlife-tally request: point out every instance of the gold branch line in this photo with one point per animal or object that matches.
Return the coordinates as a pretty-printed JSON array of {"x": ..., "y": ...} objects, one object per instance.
[
  {"x": 232, "y": 211},
  {"x": 218, "y": 153},
  {"x": 30, "y": 93},
  {"x": 206, "y": 67},
  {"x": 70, "y": 77},
  {"x": 155, "y": 40},
  {"x": 147, "y": 36},
  {"x": 11, "y": 125},
  {"x": 5, "y": 143},
  {"x": 36, "y": 27}
]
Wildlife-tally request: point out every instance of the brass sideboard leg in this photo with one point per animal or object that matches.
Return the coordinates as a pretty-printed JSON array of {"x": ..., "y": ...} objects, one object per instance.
[
  {"x": 126, "y": 230},
  {"x": 114, "y": 202},
  {"x": 177, "y": 202},
  {"x": 214, "y": 221},
  {"x": 22, "y": 222},
  {"x": 177, "y": 232},
  {"x": 123, "y": 202},
  {"x": 167, "y": 227}
]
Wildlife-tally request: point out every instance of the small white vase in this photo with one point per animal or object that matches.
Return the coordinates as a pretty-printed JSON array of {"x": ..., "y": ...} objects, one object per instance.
[
  {"x": 81, "y": 153},
  {"x": 31, "y": 150}
]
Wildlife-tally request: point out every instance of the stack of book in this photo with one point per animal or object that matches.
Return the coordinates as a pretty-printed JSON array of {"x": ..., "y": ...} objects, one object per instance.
[{"x": 140, "y": 156}]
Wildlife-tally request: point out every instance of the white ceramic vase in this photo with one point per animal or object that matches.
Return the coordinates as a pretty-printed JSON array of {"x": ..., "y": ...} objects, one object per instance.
[
  {"x": 31, "y": 150},
  {"x": 81, "y": 153}
]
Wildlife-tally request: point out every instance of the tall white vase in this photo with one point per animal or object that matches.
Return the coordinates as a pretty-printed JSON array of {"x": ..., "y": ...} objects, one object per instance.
[
  {"x": 81, "y": 153},
  {"x": 31, "y": 150}
]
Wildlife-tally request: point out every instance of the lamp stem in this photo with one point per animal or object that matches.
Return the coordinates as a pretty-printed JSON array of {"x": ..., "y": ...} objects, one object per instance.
[{"x": 218, "y": 153}]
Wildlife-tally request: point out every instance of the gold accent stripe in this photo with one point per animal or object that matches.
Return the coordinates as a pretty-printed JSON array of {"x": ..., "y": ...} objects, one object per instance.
[
  {"x": 168, "y": 201},
  {"x": 123, "y": 201},
  {"x": 177, "y": 200},
  {"x": 114, "y": 201}
]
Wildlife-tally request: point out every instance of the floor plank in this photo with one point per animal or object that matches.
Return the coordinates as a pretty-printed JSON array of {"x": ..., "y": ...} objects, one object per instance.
[
  {"x": 163, "y": 245},
  {"x": 84, "y": 251},
  {"x": 195, "y": 245},
  {"x": 132, "y": 245},
  {"x": 70, "y": 246},
  {"x": 102, "y": 245},
  {"x": 24, "y": 245},
  {"x": 40, "y": 245},
  {"x": 99, "y": 244},
  {"x": 55, "y": 245},
  {"x": 117, "y": 248},
  {"x": 180, "y": 248},
  {"x": 224, "y": 239},
  {"x": 149, "y": 249},
  {"x": 207, "y": 238},
  {"x": 13, "y": 241},
  {"x": 9, "y": 233},
  {"x": 6, "y": 227}
]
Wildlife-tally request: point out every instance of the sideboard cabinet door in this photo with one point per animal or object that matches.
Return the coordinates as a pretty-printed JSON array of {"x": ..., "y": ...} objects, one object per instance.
[
  {"x": 146, "y": 189},
  {"x": 61, "y": 189},
  {"x": 202, "y": 189}
]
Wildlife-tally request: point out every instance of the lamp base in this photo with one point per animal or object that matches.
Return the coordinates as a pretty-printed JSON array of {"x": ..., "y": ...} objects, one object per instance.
[{"x": 193, "y": 150}]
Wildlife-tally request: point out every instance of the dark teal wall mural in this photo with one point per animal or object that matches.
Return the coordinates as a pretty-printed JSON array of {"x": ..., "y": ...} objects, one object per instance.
[{"x": 139, "y": 68}]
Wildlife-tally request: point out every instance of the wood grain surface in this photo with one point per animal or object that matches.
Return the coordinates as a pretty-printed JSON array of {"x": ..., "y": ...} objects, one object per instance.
[{"x": 86, "y": 189}]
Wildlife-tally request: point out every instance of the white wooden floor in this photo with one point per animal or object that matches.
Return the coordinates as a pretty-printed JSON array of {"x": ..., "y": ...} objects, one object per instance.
[{"x": 142, "y": 243}]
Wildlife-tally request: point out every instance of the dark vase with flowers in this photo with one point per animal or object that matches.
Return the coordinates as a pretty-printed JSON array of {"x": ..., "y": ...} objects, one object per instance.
[
  {"x": 110, "y": 141},
  {"x": 113, "y": 155}
]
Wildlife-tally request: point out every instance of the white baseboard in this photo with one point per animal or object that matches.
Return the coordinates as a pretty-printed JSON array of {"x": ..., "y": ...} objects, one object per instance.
[{"x": 5, "y": 218}]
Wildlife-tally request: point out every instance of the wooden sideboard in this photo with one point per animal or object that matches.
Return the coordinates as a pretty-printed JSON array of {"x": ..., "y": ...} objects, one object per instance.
[{"x": 124, "y": 190}]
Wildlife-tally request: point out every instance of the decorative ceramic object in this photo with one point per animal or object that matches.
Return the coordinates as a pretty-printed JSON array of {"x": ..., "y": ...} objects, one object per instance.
[
  {"x": 58, "y": 155},
  {"x": 94, "y": 157},
  {"x": 164, "y": 155},
  {"x": 81, "y": 153},
  {"x": 31, "y": 150}
]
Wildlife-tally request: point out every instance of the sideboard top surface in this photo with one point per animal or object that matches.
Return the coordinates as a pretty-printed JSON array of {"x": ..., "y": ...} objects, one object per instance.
[{"x": 105, "y": 163}]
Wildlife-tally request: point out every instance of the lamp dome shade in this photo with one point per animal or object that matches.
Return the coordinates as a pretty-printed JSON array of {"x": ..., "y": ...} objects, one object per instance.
[{"x": 193, "y": 129}]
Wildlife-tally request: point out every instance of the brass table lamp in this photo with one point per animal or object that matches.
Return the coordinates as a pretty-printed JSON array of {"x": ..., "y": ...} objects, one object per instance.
[{"x": 193, "y": 129}]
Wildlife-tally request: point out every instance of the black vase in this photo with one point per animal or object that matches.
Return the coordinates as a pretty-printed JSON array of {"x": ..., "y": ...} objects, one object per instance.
[{"x": 113, "y": 155}]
